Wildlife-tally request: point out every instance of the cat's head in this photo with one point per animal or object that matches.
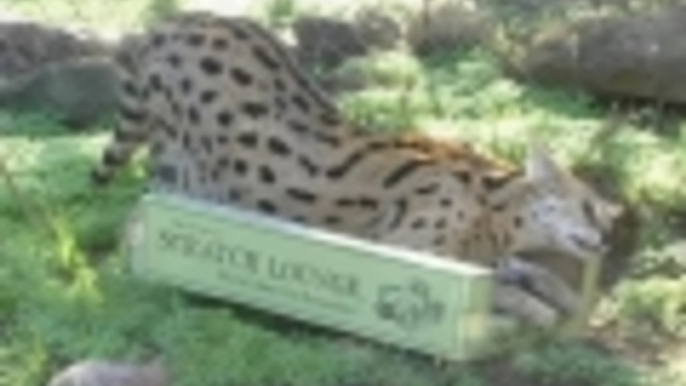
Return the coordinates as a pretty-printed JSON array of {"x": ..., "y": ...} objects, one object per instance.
[{"x": 560, "y": 212}]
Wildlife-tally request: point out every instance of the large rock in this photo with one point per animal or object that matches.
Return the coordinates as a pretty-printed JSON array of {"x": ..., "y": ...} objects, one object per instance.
[
  {"x": 377, "y": 27},
  {"x": 444, "y": 25},
  {"x": 44, "y": 68},
  {"x": 26, "y": 46},
  {"x": 639, "y": 57},
  {"x": 326, "y": 43}
]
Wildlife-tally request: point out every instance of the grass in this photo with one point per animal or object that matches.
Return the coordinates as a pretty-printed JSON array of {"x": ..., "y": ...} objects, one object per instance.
[{"x": 65, "y": 292}]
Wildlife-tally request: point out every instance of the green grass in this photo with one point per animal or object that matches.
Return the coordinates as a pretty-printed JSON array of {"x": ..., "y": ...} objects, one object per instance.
[{"x": 65, "y": 292}]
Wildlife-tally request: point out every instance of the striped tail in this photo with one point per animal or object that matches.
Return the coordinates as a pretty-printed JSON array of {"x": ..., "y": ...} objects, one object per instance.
[{"x": 132, "y": 126}]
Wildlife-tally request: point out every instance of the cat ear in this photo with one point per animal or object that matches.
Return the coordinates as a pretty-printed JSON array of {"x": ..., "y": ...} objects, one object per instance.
[{"x": 542, "y": 169}]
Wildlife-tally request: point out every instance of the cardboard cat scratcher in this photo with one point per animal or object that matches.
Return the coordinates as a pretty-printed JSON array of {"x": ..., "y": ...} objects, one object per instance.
[{"x": 395, "y": 296}]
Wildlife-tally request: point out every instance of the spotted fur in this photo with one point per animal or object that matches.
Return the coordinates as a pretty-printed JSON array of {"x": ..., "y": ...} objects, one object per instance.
[{"x": 231, "y": 119}]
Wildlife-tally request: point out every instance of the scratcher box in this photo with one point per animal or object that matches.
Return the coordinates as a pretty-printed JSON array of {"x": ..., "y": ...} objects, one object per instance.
[{"x": 391, "y": 295}]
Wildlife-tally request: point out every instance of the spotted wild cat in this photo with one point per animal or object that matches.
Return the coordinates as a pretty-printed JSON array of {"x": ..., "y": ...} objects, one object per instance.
[{"x": 230, "y": 118}]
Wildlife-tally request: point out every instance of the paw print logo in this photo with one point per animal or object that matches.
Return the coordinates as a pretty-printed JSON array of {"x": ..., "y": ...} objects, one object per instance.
[{"x": 410, "y": 305}]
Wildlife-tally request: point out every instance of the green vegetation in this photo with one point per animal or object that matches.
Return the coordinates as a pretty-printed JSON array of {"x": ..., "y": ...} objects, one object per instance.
[
  {"x": 108, "y": 16},
  {"x": 65, "y": 293}
]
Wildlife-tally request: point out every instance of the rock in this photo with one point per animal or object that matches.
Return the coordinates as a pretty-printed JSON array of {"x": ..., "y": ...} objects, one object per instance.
[
  {"x": 446, "y": 25},
  {"x": 639, "y": 57},
  {"x": 79, "y": 92},
  {"x": 102, "y": 373},
  {"x": 377, "y": 28},
  {"x": 26, "y": 46},
  {"x": 325, "y": 42}
]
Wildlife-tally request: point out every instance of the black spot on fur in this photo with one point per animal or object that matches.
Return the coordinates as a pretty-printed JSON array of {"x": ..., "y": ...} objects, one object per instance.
[
  {"x": 298, "y": 127},
  {"x": 158, "y": 40},
  {"x": 439, "y": 241},
  {"x": 299, "y": 219},
  {"x": 280, "y": 85},
  {"x": 208, "y": 96},
  {"x": 265, "y": 58},
  {"x": 144, "y": 94},
  {"x": 222, "y": 139},
  {"x": 301, "y": 102},
  {"x": 238, "y": 32},
  {"x": 215, "y": 175},
  {"x": 340, "y": 170},
  {"x": 280, "y": 104},
  {"x": 186, "y": 85},
  {"x": 266, "y": 206},
  {"x": 174, "y": 60},
  {"x": 255, "y": 110},
  {"x": 170, "y": 130},
  {"x": 332, "y": 220},
  {"x": 193, "y": 115},
  {"x": 224, "y": 118},
  {"x": 427, "y": 189},
  {"x": 267, "y": 175},
  {"x": 518, "y": 221},
  {"x": 403, "y": 171},
  {"x": 241, "y": 76},
  {"x": 220, "y": 44},
  {"x": 331, "y": 119},
  {"x": 234, "y": 195},
  {"x": 207, "y": 144},
  {"x": 368, "y": 203},
  {"x": 498, "y": 207},
  {"x": 492, "y": 183},
  {"x": 399, "y": 215},
  {"x": 155, "y": 82},
  {"x": 463, "y": 176},
  {"x": 186, "y": 141},
  {"x": 211, "y": 66},
  {"x": 240, "y": 167},
  {"x": 418, "y": 223},
  {"x": 130, "y": 89},
  {"x": 325, "y": 138},
  {"x": 301, "y": 195},
  {"x": 195, "y": 39},
  {"x": 345, "y": 202},
  {"x": 309, "y": 166},
  {"x": 131, "y": 115},
  {"x": 440, "y": 223},
  {"x": 446, "y": 202},
  {"x": 223, "y": 162},
  {"x": 248, "y": 139},
  {"x": 278, "y": 147},
  {"x": 176, "y": 109}
]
